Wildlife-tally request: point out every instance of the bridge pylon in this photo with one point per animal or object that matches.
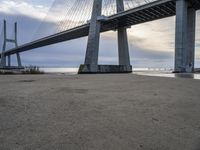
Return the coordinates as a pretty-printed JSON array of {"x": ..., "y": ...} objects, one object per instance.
[
  {"x": 91, "y": 59},
  {"x": 185, "y": 37},
  {"x": 123, "y": 49},
  {"x": 6, "y": 63}
]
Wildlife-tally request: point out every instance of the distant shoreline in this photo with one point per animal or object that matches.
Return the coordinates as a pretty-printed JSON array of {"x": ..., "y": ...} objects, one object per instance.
[{"x": 74, "y": 71}]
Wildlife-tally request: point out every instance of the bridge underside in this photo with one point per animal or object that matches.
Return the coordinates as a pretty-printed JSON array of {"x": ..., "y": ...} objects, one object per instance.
[
  {"x": 146, "y": 13},
  {"x": 149, "y": 12}
]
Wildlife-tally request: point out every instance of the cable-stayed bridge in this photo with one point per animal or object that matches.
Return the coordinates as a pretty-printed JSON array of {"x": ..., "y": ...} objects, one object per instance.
[{"x": 95, "y": 16}]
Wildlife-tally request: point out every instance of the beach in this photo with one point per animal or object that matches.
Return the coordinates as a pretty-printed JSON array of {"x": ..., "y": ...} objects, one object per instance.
[{"x": 99, "y": 112}]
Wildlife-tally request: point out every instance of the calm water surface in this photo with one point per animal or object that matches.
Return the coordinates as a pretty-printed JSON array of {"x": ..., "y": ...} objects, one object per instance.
[{"x": 139, "y": 71}]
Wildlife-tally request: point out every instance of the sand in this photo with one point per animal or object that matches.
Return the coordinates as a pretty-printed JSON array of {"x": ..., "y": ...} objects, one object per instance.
[{"x": 99, "y": 112}]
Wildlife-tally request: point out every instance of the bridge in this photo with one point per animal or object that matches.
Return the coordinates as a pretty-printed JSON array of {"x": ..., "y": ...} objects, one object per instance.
[{"x": 184, "y": 10}]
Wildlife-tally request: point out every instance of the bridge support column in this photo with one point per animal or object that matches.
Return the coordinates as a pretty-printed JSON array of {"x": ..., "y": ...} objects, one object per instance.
[
  {"x": 185, "y": 37},
  {"x": 92, "y": 52},
  {"x": 123, "y": 49},
  {"x": 190, "y": 49},
  {"x": 9, "y": 61},
  {"x": 19, "y": 60},
  {"x": 3, "y": 60}
]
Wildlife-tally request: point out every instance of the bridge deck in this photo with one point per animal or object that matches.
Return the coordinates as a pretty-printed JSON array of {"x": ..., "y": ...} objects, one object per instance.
[{"x": 149, "y": 12}]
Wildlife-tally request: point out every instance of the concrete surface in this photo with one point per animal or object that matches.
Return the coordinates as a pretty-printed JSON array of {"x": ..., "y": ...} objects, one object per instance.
[{"x": 99, "y": 112}]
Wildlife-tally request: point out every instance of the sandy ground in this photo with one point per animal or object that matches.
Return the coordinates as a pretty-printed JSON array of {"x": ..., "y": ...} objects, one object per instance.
[{"x": 99, "y": 112}]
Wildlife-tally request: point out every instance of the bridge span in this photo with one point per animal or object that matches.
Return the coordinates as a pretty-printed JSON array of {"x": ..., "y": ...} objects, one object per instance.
[{"x": 185, "y": 11}]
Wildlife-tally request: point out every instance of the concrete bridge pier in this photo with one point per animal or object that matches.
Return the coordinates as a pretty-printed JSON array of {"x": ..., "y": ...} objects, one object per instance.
[
  {"x": 123, "y": 49},
  {"x": 185, "y": 37},
  {"x": 92, "y": 52},
  {"x": 9, "y": 61},
  {"x": 19, "y": 60}
]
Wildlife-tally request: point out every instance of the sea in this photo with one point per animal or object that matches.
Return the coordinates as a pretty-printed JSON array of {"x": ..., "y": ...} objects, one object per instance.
[{"x": 158, "y": 72}]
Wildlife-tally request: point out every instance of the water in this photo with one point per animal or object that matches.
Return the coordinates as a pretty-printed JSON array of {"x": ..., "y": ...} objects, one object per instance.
[
  {"x": 60, "y": 70},
  {"x": 168, "y": 74},
  {"x": 157, "y": 72}
]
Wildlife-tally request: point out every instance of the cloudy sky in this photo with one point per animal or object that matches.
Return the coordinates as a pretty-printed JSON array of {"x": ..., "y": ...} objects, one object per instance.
[{"x": 151, "y": 44}]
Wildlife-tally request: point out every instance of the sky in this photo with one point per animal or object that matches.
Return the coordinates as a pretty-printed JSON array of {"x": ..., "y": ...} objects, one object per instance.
[{"x": 150, "y": 44}]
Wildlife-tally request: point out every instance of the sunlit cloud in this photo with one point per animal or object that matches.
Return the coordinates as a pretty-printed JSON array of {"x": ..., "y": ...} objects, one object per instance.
[
  {"x": 156, "y": 35},
  {"x": 153, "y": 36},
  {"x": 23, "y": 8}
]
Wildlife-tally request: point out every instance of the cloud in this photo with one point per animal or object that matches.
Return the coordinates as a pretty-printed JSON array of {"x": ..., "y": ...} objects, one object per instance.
[
  {"x": 57, "y": 12},
  {"x": 157, "y": 35},
  {"x": 11, "y": 7}
]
